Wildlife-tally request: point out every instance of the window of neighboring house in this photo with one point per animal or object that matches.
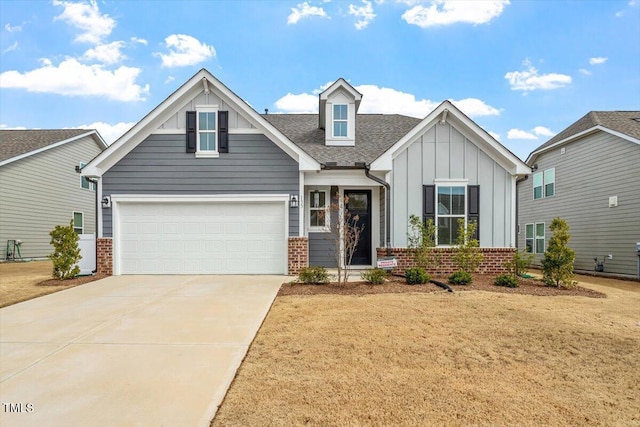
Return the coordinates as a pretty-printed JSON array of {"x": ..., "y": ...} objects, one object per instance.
[
  {"x": 534, "y": 238},
  {"x": 544, "y": 184},
  {"x": 85, "y": 183},
  {"x": 78, "y": 222},
  {"x": 340, "y": 120},
  {"x": 207, "y": 130},
  {"x": 451, "y": 206},
  {"x": 318, "y": 203}
]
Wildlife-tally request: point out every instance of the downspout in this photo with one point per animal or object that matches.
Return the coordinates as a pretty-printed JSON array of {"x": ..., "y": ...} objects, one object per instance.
[
  {"x": 526, "y": 177},
  {"x": 95, "y": 182}
]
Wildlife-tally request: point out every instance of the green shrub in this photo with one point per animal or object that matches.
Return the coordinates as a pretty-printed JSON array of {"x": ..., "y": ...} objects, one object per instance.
[
  {"x": 416, "y": 276},
  {"x": 66, "y": 252},
  {"x": 506, "y": 280},
  {"x": 421, "y": 241},
  {"x": 519, "y": 263},
  {"x": 314, "y": 276},
  {"x": 467, "y": 255},
  {"x": 375, "y": 276},
  {"x": 460, "y": 278},
  {"x": 557, "y": 264}
]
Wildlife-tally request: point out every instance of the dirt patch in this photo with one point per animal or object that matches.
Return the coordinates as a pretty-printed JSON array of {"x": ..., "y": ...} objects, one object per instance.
[
  {"x": 398, "y": 285},
  {"x": 71, "y": 282}
]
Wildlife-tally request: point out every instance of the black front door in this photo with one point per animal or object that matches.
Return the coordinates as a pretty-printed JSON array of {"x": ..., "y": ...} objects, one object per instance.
[{"x": 359, "y": 203}]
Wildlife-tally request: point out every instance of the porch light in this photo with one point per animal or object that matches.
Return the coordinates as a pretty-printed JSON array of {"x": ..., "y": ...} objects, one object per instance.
[
  {"x": 293, "y": 201},
  {"x": 105, "y": 202}
]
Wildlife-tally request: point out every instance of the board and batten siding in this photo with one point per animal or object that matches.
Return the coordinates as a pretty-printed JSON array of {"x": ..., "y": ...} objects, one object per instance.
[
  {"x": 43, "y": 190},
  {"x": 590, "y": 171},
  {"x": 159, "y": 165},
  {"x": 442, "y": 152}
]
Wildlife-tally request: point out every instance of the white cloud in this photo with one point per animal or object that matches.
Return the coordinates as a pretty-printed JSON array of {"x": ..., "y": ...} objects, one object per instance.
[
  {"x": 533, "y": 134},
  {"x": 94, "y": 26},
  {"x": 364, "y": 14},
  {"x": 7, "y": 127},
  {"x": 169, "y": 79},
  {"x": 446, "y": 12},
  {"x": 139, "y": 40},
  {"x": 474, "y": 107},
  {"x": 528, "y": 79},
  {"x": 300, "y": 103},
  {"x": 305, "y": 10},
  {"x": 106, "y": 53},
  {"x": 12, "y": 29},
  {"x": 585, "y": 71},
  {"x": 108, "y": 132},
  {"x": 185, "y": 50},
  {"x": 520, "y": 134},
  {"x": 597, "y": 60},
  {"x": 72, "y": 78},
  {"x": 495, "y": 136},
  {"x": 14, "y": 46}
]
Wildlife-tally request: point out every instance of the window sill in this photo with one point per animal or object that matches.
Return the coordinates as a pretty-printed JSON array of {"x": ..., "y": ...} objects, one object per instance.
[
  {"x": 318, "y": 230},
  {"x": 205, "y": 154}
]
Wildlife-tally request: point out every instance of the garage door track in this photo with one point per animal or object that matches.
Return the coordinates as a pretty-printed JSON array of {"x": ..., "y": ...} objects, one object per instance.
[{"x": 129, "y": 350}]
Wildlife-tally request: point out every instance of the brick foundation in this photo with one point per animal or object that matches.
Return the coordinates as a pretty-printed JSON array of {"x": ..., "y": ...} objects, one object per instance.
[
  {"x": 105, "y": 256},
  {"x": 298, "y": 254},
  {"x": 493, "y": 263}
]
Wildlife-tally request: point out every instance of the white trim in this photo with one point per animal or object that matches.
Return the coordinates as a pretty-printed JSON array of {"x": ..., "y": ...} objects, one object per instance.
[
  {"x": 118, "y": 199},
  {"x": 334, "y": 120},
  {"x": 73, "y": 217},
  {"x": 301, "y": 205},
  {"x": 348, "y": 178},
  {"x": 451, "y": 183},
  {"x": 327, "y": 210},
  {"x": 99, "y": 232},
  {"x": 514, "y": 219},
  {"x": 174, "y": 103},
  {"x": 234, "y": 131},
  {"x": 93, "y": 133},
  {"x": 207, "y": 109},
  {"x": 536, "y": 153}
]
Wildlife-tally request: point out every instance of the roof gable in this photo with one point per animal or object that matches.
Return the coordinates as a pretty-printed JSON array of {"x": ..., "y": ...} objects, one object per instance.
[
  {"x": 18, "y": 144},
  {"x": 625, "y": 124},
  {"x": 446, "y": 111},
  {"x": 202, "y": 81}
]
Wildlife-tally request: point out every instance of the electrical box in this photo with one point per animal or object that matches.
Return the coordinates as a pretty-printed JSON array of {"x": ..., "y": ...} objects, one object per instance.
[
  {"x": 638, "y": 247},
  {"x": 613, "y": 201}
]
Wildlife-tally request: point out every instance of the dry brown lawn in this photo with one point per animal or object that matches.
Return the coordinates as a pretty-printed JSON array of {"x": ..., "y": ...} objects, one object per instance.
[
  {"x": 467, "y": 358},
  {"x": 21, "y": 281}
]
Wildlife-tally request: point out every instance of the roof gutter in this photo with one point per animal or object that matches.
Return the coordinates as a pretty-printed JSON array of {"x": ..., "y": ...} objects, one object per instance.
[{"x": 363, "y": 166}]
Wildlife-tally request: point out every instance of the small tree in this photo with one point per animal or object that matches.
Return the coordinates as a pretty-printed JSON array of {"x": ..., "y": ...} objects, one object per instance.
[
  {"x": 519, "y": 263},
  {"x": 66, "y": 252},
  {"x": 468, "y": 256},
  {"x": 421, "y": 240},
  {"x": 557, "y": 264},
  {"x": 345, "y": 235}
]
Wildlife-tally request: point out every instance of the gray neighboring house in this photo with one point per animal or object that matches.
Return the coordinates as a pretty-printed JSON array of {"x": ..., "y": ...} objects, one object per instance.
[
  {"x": 589, "y": 175},
  {"x": 206, "y": 185},
  {"x": 40, "y": 187}
]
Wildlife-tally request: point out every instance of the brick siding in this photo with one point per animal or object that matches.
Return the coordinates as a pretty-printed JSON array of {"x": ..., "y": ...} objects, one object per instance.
[
  {"x": 298, "y": 254},
  {"x": 105, "y": 256},
  {"x": 493, "y": 262}
]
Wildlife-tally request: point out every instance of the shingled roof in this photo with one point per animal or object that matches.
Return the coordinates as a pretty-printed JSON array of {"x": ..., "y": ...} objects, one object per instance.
[
  {"x": 16, "y": 142},
  {"x": 626, "y": 122},
  {"x": 375, "y": 133}
]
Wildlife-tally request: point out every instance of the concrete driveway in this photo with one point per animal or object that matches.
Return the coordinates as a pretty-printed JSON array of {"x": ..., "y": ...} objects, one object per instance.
[{"x": 129, "y": 350}]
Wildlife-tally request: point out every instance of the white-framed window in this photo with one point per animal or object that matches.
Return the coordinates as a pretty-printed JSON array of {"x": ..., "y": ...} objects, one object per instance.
[
  {"x": 318, "y": 202},
  {"x": 451, "y": 206},
  {"x": 340, "y": 120},
  {"x": 84, "y": 182},
  {"x": 544, "y": 184},
  {"x": 207, "y": 126},
  {"x": 534, "y": 238},
  {"x": 78, "y": 222}
]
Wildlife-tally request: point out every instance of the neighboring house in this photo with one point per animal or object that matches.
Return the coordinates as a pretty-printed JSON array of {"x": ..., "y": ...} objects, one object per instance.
[
  {"x": 204, "y": 184},
  {"x": 40, "y": 187},
  {"x": 588, "y": 175}
]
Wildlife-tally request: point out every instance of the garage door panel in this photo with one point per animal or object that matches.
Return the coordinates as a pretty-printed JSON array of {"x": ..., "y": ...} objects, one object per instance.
[{"x": 202, "y": 238}]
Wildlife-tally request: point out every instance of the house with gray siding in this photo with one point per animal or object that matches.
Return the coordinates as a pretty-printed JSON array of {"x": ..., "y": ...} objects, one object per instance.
[
  {"x": 206, "y": 185},
  {"x": 588, "y": 175},
  {"x": 41, "y": 188}
]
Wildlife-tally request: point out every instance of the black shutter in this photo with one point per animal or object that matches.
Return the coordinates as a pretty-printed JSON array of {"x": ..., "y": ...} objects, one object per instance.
[
  {"x": 191, "y": 132},
  {"x": 429, "y": 203},
  {"x": 223, "y": 131},
  {"x": 473, "y": 192}
]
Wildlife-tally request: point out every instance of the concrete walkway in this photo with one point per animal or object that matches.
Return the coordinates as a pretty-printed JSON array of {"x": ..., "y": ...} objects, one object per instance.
[{"x": 129, "y": 350}]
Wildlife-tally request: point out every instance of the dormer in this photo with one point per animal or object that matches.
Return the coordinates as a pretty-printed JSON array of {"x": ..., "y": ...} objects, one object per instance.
[{"x": 338, "y": 107}]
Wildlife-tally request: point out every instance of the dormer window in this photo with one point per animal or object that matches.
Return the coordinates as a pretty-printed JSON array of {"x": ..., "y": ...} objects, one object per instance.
[{"x": 340, "y": 120}]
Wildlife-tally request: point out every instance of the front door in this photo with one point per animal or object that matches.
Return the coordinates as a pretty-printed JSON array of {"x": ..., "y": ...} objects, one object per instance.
[{"x": 359, "y": 203}]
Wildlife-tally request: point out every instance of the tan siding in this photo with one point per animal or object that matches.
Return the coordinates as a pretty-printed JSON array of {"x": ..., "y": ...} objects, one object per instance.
[
  {"x": 41, "y": 191},
  {"x": 591, "y": 170}
]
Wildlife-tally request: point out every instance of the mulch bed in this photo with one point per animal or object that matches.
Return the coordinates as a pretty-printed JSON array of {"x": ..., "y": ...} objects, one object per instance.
[
  {"x": 80, "y": 280},
  {"x": 398, "y": 285}
]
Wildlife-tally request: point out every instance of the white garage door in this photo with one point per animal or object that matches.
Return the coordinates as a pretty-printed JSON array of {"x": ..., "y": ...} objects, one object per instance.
[{"x": 201, "y": 238}]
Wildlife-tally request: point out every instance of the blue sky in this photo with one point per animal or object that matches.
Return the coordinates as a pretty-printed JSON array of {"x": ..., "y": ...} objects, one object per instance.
[{"x": 523, "y": 70}]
